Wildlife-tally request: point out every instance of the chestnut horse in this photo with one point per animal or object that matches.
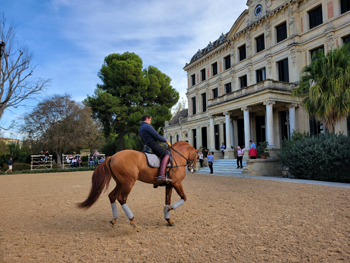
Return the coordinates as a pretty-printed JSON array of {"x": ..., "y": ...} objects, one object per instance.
[{"x": 127, "y": 166}]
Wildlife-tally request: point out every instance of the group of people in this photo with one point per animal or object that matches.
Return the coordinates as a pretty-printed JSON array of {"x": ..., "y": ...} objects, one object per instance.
[
  {"x": 93, "y": 160},
  {"x": 44, "y": 156},
  {"x": 209, "y": 156},
  {"x": 74, "y": 160}
]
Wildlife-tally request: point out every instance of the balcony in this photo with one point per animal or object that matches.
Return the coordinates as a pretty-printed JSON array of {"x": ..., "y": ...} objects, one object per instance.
[{"x": 263, "y": 85}]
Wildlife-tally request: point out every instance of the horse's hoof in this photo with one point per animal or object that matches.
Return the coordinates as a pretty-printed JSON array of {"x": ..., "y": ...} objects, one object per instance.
[
  {"x": 112, "y": 224},
  {"x": 171, "y": 224}
]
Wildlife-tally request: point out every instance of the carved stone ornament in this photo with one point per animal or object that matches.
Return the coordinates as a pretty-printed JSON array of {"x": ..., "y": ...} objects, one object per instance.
[
  {"x": 269, "y": 65},
  {"x": 330, "y": 39},
  {"x": 292, "y": 55},
  {"x": 269, "y": 3}
]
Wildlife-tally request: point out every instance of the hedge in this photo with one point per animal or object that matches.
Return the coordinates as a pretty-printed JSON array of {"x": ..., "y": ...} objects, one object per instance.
[{"x": 325, "y": 157}]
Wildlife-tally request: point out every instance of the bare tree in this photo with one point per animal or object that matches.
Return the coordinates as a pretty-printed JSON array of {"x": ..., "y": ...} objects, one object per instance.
[
  {"x": 61, "y": 124},
  {"x": 16, "y": 71}
]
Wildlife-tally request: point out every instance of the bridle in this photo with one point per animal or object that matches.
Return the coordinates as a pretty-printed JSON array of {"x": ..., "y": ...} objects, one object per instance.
[{"x": 189, "y": 163}]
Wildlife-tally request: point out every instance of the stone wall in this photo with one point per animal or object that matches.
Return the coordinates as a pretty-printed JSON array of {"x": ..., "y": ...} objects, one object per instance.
[{"x": 263, "y": 167}]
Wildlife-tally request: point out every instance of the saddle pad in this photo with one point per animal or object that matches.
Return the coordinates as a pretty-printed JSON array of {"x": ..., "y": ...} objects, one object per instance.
[{"x": 153, "y": 160}]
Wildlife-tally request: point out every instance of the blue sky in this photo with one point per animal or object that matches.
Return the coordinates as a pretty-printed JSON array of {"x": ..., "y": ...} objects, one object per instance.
[{"x": 71, "y": 38}]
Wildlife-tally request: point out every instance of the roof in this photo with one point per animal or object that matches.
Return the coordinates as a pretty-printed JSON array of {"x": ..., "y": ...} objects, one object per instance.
[
  {"x": 176, "y": 119},
  {"x": 210, "y": 47}
]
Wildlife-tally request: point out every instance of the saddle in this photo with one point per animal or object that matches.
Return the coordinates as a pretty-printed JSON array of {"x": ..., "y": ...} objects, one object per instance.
[{"x": 153, "y": 160}]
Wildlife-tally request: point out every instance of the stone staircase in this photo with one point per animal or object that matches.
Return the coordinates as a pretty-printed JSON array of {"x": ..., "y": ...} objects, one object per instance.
[{"x": 223, "y": 166}]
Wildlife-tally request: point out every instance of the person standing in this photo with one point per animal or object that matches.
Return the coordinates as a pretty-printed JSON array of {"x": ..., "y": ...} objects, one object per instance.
[
  {"x": 210, "y": 161},
  {"x": 149, "y": 137},
  {"x": 222, "y": 148},
  {"x": 240, "y": 154},
  {"x": 10, "y": 162},
  {"x": 200, "y": 157}
]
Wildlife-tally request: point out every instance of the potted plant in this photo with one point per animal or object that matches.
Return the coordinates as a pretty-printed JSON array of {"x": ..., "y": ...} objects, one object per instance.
[{"x": 262, "y": 153}]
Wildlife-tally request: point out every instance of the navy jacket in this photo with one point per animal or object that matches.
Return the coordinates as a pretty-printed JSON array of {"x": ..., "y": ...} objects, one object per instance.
[
  {"x": 149, "y": 134},
  {"x": 10, "y": 162}
]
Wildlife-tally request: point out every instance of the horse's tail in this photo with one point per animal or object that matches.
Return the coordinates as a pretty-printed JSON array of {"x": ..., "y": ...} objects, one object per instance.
[{"x": 100, "y": 180}]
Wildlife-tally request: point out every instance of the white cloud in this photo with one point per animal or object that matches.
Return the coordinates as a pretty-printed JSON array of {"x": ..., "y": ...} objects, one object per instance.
[{"x": 71, "y": 38}]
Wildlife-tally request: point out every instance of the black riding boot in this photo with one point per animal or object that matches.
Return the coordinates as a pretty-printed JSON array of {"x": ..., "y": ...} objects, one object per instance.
[{"x": 162, "y": 168}]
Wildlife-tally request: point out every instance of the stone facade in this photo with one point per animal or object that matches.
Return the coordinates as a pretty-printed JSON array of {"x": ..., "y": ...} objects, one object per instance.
[{"x": 239, "y": 86}]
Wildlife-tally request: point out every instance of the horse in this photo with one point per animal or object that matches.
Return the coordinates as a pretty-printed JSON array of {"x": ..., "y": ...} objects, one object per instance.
[{"x": 127, "y": 166}]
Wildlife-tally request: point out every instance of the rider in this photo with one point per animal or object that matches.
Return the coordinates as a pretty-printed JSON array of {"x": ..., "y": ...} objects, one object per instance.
[{"x": 150, "y": 136}]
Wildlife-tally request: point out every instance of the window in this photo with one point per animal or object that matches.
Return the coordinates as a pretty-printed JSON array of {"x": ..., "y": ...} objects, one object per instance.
[
  {"x": 242, "y": 53},
  {"x": 260, "y": 43},
  {"x": 260, "y": 75},
  {"x": 194, "y": 138},
  {"x": 345, "y": 6},
  {"x": 171, "y": 139},
  {"x": 227, "y": 62},
  {"x": 204, "y": 102},
  {"x": 314, "y": 51},
  {"x": 215, "y": 93},
  {"x": 281, "y": 31},
  {"x": 203, "y": 74},
  {"x": 177, "y": 137},
  {"x": 228, "y": 87},
  {"x": 194, "y": 105},
  {"x": 346, "y": 40},
  {"x": 315, "y": 17},
  {"x": 193, "y": 77},
  {"x": 315, "y": 126},
  {"x": 243, "y": 81},
  {"x": 215, "y": 68},
  {"x": 283, "y": 72}
]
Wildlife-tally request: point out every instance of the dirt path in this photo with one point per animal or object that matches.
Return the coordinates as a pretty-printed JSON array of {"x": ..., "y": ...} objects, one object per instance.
[{"x": 225, "y": 219}]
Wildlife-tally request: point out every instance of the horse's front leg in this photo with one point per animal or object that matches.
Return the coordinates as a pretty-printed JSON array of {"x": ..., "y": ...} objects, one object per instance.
[
  {"x": 166, "y": 210},
  {"x": 179, "y": 189}
]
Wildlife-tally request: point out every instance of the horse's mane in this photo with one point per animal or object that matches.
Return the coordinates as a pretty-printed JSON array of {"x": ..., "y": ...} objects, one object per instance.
[{"x": 179, "y": 143}]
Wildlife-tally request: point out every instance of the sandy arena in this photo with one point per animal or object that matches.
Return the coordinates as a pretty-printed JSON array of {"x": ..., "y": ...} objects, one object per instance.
[{"x": 225, "y": 219}]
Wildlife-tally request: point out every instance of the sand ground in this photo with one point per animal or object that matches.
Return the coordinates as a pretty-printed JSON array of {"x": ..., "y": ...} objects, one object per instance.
[{"x": 225, "y": 219}]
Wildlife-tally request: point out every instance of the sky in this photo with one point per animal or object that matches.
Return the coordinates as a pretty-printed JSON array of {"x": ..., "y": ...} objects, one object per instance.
[{"x": 71, "y": 38}]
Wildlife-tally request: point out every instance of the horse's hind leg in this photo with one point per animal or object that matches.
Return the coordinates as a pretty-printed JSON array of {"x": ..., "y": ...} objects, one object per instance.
[
  {"x": 122, "y": 197},
  {"x": 112, "y": 197},
  {"x": 166, "y": 210}
]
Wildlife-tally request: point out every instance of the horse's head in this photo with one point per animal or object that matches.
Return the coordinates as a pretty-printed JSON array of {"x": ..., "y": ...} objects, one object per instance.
[
  {"x": 192, "y": 161},
  {"x": 185, "y": 149}
]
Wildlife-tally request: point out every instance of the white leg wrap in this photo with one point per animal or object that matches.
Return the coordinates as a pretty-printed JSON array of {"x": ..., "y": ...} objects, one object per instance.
[
  {"x": 178, "y": 203},
  {"x": 166, "y": 212},
  {"x": 114, "y": 210},
  {"x": 127, "y": 211}
]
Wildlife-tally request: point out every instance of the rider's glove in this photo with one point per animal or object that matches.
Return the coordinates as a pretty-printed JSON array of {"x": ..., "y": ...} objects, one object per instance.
[{"x": 168, "y": 143}]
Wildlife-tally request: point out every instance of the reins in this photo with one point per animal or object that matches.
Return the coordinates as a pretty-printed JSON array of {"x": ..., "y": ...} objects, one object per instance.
[{"x": 188, "y": 162}]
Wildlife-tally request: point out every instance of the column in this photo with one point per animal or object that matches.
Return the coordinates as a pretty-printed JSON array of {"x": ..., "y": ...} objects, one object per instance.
[
  {"x": 228, "y": 130},
  {"x": 235, "y": 133},
  {"x": 231, "y": 135},
  {"x": 229, "y": 152},
  {"x": 212, "y": 134},
  {"x": 246, "y": 126},
  {"x": 199, "y": 137},
  {"x": 292, "y": 118},
  {"x": 269, "y": 123}
]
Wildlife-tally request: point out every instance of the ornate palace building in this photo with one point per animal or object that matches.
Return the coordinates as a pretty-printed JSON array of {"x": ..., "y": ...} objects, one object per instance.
[{"x": 239, "y": 86}]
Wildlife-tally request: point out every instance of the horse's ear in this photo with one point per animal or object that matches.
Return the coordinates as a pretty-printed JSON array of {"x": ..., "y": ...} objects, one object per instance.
[{"x": 199, "y": 150}]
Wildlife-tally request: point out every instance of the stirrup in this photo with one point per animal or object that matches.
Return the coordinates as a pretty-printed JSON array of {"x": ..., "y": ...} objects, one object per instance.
[{"x": 161, "y": 178}]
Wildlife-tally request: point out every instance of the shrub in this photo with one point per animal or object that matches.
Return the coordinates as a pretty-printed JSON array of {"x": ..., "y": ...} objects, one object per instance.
[{"x": 324, "y": 157}]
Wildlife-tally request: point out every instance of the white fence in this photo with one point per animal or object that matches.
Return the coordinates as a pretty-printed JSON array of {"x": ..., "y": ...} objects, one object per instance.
[{"x": 38, "y": 162}]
